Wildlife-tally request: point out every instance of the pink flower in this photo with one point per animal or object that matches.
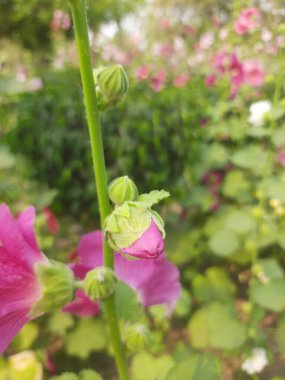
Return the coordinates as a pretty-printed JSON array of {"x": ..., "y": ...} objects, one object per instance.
[
  {"x": 281, "y": 157},
  {"x": 248, "y": 20},
  {"x": 19, "y": 287},
  {"x": 254, "y": 75},
  {"x": 181, "y": 80},
  {"x": 155, "y": 281},
  {"x": 230, "y": 64},
  {"x": 52, "y": 222},
  {"x": 149, "y": 246},
  {"x": 206, "y": 40},
  {"x": 60, "y": 20},
  {"x": 142, "y": 72},
  {"x": 158, "y": 80},
  {"x": 210, "y": 80}
]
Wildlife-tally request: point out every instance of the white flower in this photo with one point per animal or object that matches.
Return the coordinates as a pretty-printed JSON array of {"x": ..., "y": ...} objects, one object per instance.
[
  {"x": 258, "y": 112},
  {"x": 256, "y": 362}
]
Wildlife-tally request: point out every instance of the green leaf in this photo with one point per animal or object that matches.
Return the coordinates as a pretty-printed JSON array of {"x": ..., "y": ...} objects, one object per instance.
[
  {"x": 7, "y": 160},
  {"x": 127, "y": 303},
  {"x": 153, "y": 197},
  {"x": 89, "y": 374},
  {"x": 60, "y": 322},
  {"x": 26, "y": 336},
  {"x": 252, "y": 157},
  {"x": 90, "y": 335},
  {"x": 216, "y": 326},
  {"x": 278, "y": 137},
  {"x": 197, "y": 367},
  {"x": 147, "y": 367},
  {"x": 183, "y": 305},
  {"x": 215, "y": 285},
  {"x": 236, "y": 185},
  {"x": 240, "y": 221},
  {"x": 276, "y": 189},
  {"x": 224, "y": 243},
  {"x": 66, "y": 376},
  {"x": 279, "y": 335},
  {"x": 270, "y": 268},
  {"x": 270, "y": 295}
]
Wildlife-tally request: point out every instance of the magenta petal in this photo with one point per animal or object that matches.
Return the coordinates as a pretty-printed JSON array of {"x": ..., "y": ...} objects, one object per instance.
[
  {"x": 82, "y": 306},
  {"x": 14, "y": 241},
  {"x": 156, "y": 281},
  {"x": 90, "y": 249},
  {"x": 149, "y": 246},
  {"x": 26, "y": 222},
  {"x": 10, "y": 325}
]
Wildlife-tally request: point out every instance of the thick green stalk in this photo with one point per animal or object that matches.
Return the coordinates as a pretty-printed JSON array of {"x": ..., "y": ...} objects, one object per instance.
[{"x": 78, "y": 9}]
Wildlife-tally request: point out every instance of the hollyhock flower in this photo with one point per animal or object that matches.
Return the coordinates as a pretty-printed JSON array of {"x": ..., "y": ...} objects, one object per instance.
[
  {"x": 19, "y": 287},
  {"x": 281, "y": 157},
  {"x": 154, "y": 281},
  {"x": 258, "y": 112},
  {"x": 142, "y": 72},
  {"x": 256, "y": 362},
  {"x": 248, "y": 20},
  {"x": 60, "y": 20},
  {"x": 158, "y": 80},
  {"x": 206, "y": 40},
  {"x": 266, "y": 35},
  {"x": 181, "y": 80},
  {"x": 254, "y": 75},
  {"x": 29, "y": 283},
  {"x": 210, "y": 80},
  {"x": 52, "y": 222}
]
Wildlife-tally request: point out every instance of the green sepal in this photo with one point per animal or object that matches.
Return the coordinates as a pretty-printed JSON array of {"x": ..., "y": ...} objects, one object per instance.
[
  {"x": 153, "y": 198},
  {"x": 58, "y": 286}
]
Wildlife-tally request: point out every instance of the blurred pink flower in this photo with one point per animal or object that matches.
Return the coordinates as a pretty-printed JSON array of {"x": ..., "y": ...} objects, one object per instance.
[
  {"x": 165, "y": 50},
  {"x": 158, "y": 80},
  {"x": 34, "y": 84},
  {"x": 254, "y": 75},
  {"x": 281, "y": 157},
  {"x": 51, "y": 219},
  {"x": 60, "y": 20},
  {"x": 142, "y": 72},
  {"x": 266, "y": 35},
  {"x": 248, "y": 20},
  {"x": 164, "y": 24},
  {"x": 180, "y": 81},
  {"x": 230, "y": 64},
  {"x": 82, "y": 306},
  {"x": 154, "y": 281},
  {"x": 210, "y": 80},
  {"x": 188, "y": 29},
  {"x": 21, "y": 75},
  {"x": 19, "y": 287},
  {"x": 206, "y": 40}
]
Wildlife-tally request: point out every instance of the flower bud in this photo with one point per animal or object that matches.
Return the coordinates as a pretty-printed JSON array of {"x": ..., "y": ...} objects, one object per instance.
[
  {"x": 111, "y": 85},
  {"x": 136, "y": 337},
  {"x": 24, "y": 366},
  {"x": 135, "y": 230},
  {"x": 57, "y": 283},
  {"x": 122, "y": 189},
  {"x": 99, "y": 283}
]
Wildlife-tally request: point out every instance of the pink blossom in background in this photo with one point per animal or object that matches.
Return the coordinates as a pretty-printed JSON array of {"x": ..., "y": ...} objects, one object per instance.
[
  {"x": 52, "y": 221},
  {"x": 154, "y": 281},
  {"x": 60, "y": 20},
  {"x": 281, "y": 157},
  {"x": 228, "y": 63},
  {"x": 19, "y": 287},
  {"x": 210, "y": 80},
  {"x": 254, "y": 75},
  {"x": 188, "y": 29},
  {"x": 21, "y": 75},
  {"x": 206, "y": 40},
  {"x": 150, "y": 245},
  {"x": 266, "y": 35},
  {"x": 248, "y": 20},
  {"x": 216, "y": 22},
  {"x": 113, "y": 53},
  {"x": 82, "y": 306},
  {"x": 34, "y": 84},
  {"x": 181, "y": 81},
  {"x": 280, "y": 40},
  {"x": 164, "y": 24},
  {"x": 223, "y": 34},
  {"x": 165, "y": 50},
  {"x": 142, "y": 72},
  {"x": 158, "y": 80},
  {"x": 49, "y": 363}
]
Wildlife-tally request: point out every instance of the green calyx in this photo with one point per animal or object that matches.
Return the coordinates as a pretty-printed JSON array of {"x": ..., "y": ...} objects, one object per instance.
[
  {"x": 136, "y": 337},
  {"x": 99, "y": 283},
  {"x": 58, "y": 285},
  {"x": 112, "y": 84},
  {"x": 122, "y": 189},
  {"x": 128, "y": 222}
]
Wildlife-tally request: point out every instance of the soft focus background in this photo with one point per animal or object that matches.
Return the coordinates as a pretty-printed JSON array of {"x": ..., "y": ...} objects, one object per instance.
[{"x": 203, "y": 119}]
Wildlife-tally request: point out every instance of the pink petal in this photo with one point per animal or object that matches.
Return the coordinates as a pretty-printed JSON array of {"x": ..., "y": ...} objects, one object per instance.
[
  {"x": 149, "y": 246},
  {"x": 82, "y": 306},
  {"x": 90, "y": 249},
  {"x": 26, "y": 222},
  {"x": 14, "y": 241},
  {"x": 10, "y": 325}
]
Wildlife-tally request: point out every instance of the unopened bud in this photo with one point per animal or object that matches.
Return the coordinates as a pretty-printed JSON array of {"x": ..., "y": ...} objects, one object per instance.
[
  {"x": 111, "y": 85},
  {"x": 99, "y": 283},
  {"x": 57, "y": 282},
  {"x": 136, "y": 337},
  {"x": 24, "y": 366},
  {"x": 122, "y": 189}
]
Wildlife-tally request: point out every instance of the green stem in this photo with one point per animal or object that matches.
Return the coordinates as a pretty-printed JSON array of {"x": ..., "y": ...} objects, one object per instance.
[{"x": 78, "y": 9}]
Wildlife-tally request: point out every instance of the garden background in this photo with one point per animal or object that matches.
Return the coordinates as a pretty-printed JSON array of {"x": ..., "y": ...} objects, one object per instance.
[{"x": 203, "y": 119}]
